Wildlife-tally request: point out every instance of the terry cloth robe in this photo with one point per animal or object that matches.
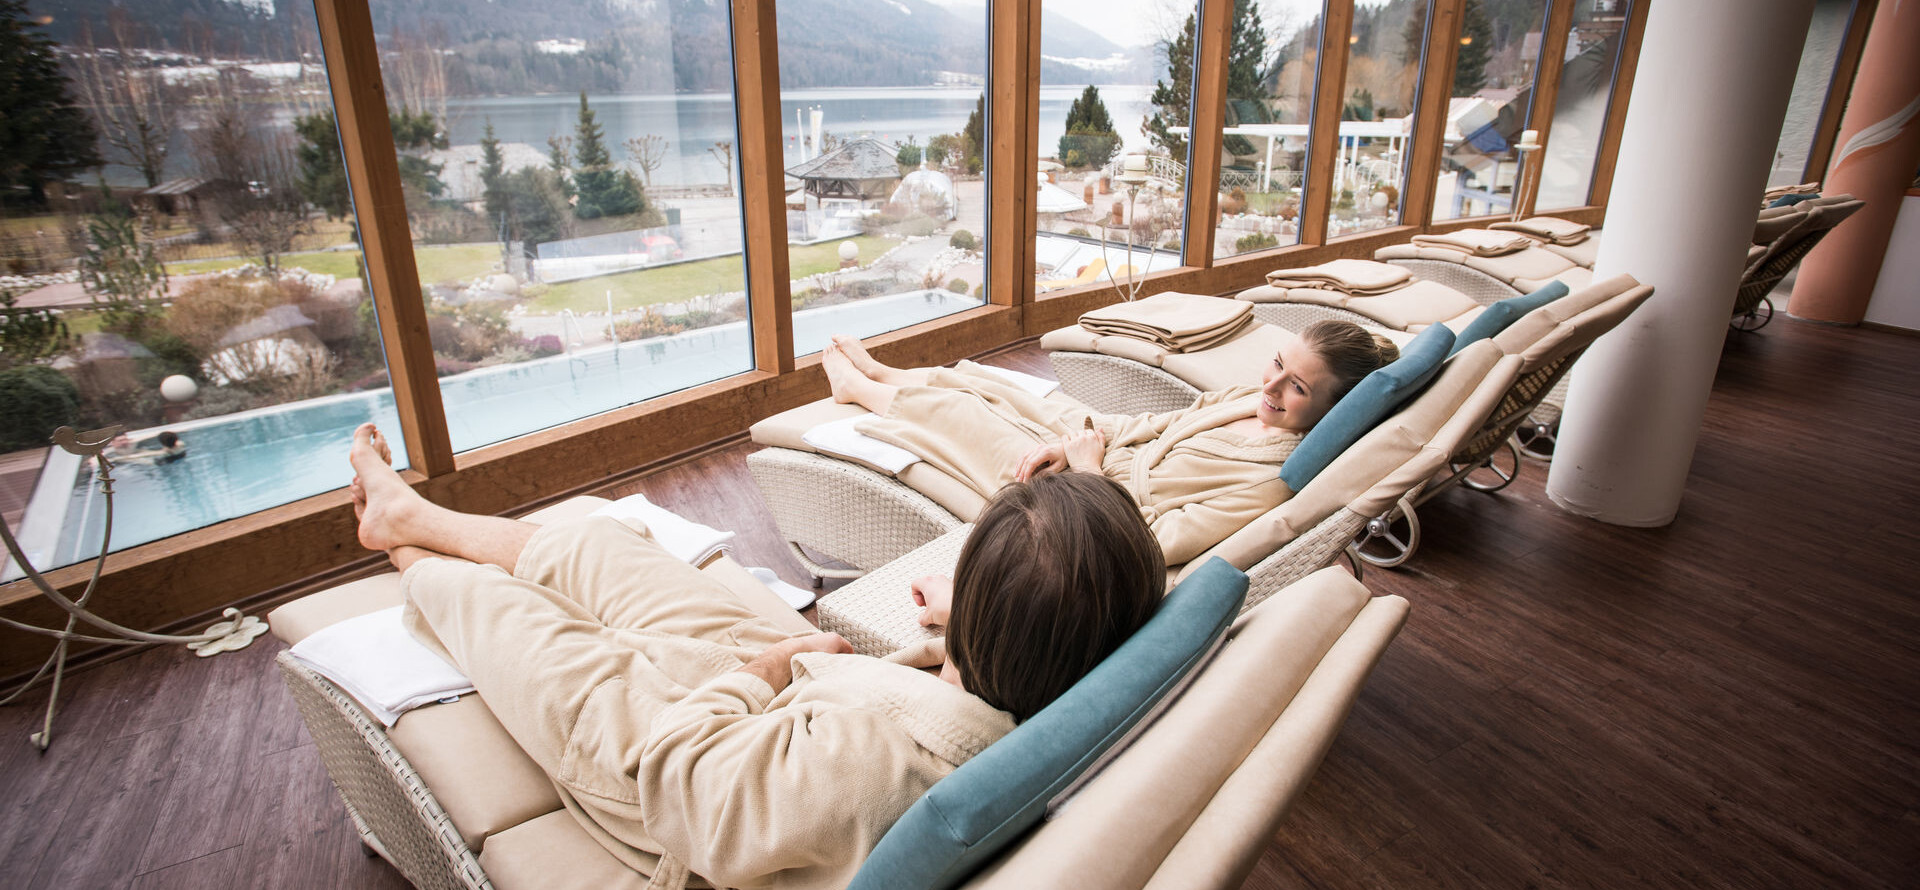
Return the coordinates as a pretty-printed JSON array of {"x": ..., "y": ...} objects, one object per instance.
[
  {"x": 1195, "y": 483},
  {"x": 615, "y": 666}
]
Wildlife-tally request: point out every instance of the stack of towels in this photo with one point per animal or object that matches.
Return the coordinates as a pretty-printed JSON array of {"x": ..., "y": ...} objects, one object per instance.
[
  {"x": 1173, "y": 321},
  {"x": 1360, "y": 278},
  {"x": 1548, "y": 230},
  {"x": 374, "y": 659},
  {"x": 1477, "y": 242}
]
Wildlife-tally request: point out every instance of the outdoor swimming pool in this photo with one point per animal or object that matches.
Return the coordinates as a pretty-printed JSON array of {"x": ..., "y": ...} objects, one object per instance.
[{"x": 243, "y": 463}]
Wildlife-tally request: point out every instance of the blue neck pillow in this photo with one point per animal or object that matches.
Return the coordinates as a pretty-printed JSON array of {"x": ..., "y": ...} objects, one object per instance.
[
  {"x": 991, "y": 800},
  {"x": 1370, "y": 401},
  {"x": 1790, "y": 200},
  {"x": 1498, "y": 316}
]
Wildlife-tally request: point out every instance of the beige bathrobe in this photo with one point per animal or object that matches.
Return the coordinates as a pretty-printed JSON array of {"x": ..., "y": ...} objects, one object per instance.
[
  {"x": 614, "y": 665},
  {"x": 1196, "y": 483}
]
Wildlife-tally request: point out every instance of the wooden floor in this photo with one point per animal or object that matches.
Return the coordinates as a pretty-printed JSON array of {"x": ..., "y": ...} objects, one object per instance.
[{"x": 1729, "y": 701}]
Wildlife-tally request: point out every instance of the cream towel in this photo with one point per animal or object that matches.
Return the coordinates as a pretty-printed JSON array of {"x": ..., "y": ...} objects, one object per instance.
[
  {"x": 1477, "y": 242},
  {"x": 1549, "y": 229},
  {"x": 1175, "y": 321},
  {"x": 1357, "y": 277}
]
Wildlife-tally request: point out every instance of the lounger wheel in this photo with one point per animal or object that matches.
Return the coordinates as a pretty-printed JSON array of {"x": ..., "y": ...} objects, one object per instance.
[
  {"x": 1490, "y": 476},
  {"x": 1753, "y": 319},
  {"x": 1536, "y": 441},
  {"x": 1390, "y": 538}
]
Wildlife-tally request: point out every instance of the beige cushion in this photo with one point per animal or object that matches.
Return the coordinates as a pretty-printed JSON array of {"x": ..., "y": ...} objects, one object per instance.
[
  {"x": 1582, "y": 254},
  {"x": 1777, "y": 221},
  {"x": 1529, "y": 328},
  {"x": 1547, "y": 229},
  {"x": 1477, "y": 242},
  {"x": 1419, "y": 304},
  {"x": 1533, "y": 263},
  {"x": 475, "y": 769},
  {"x": 1581, "y": 330},
  {"x": 297, "y": 620},
  {"x": 784, "y": 430},
  {"x": 1078, "y": 339},
  {"x": 1238, "y": 362},
  {"x": 1575, "y": 277},
  {"x": 554, "y": 853}
]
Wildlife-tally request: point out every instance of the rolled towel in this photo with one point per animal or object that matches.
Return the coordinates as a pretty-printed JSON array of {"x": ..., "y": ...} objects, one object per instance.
[
  {"x": 1549, "y": 229},
  {"x": 1358, "y": 277},
  {"x": 1173, "y": 321},
  {"x": 1477, "y": 242}
]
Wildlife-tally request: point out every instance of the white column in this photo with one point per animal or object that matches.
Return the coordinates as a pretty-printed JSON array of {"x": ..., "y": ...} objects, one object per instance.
[{"x": 1708, "y": 99}]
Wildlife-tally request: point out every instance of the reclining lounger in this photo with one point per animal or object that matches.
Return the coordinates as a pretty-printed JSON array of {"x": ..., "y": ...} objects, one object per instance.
[
  {"x": 863, "y": 516},
  {"x": 1487, "y": 279},
  {"x": 449, "y": 799}
]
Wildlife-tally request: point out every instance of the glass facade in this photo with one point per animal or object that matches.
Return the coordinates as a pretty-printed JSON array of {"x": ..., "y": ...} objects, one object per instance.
[
  {"x": 203, "y": 292},
  {"x": 573, "y": 205},
  {"x": 1580, "y": 108},
  {"x": 1817, "y": 61},
  {"x": 885, "y": 152},
  {"x": 1377, "y": 114},
  {"x": 1492, "y": 99},
  {"x": 1269, "y": 111}
]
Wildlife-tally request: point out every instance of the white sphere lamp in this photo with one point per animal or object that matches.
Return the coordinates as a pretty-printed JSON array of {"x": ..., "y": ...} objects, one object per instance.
[
  {"x": 179, "y": 388},
  {"x": 849, "y": 251}
]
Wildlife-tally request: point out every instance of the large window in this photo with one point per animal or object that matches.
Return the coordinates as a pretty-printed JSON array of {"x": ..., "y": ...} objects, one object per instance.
[
  {"x": 1273, "y": 59},
  {"x": 570, "y": 185},
  {"x": 1115, "y": 81},
  {"x": 1580, "y": 108},
  {"x": 1492, "y": 90},
  {"x": 1376, "y": 114},
  {"x": 1818, "y": 58},
  {"x": 885, "y": 153},
  {"x": 203, "y": 292}
]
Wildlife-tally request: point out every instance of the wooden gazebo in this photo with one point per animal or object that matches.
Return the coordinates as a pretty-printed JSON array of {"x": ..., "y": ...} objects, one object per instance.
[{"x": 863, "y": 170}]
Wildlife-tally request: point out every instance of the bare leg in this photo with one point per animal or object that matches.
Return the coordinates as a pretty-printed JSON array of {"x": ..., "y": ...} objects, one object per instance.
[
  {"x": 395, "y": 517},
  {"x": 852, "y": 387},
  {"x": 871, "y": 367}
]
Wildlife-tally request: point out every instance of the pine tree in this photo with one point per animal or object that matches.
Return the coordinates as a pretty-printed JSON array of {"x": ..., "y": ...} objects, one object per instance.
[
  {"x": 603, "y": 190},
  {"x": 974, "y": 138},
  {"x": 323, "y": 178},
  {"x": 493, "y": 166},
  {"x": 1476, "y": 47},
  {"x": 45, "y": 136},
  {"x": 412, "y": 134},
  {"x": 1173, "y": 98},
  {"x": 1090, "y": 140}
]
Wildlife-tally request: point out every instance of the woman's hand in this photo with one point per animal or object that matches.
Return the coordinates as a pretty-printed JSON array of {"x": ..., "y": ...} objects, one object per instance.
[
  {"x": 1085, "y": 450},
  {"x": 775, "y": 664},
  {"x": 935, "y": 594},
  {"x": 1043, "y": 459}
]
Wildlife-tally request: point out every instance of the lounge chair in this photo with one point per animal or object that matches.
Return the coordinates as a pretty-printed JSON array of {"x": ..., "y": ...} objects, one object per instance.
[
  {"x": 1781, "y": 238},
  {"x": 1546, "y": 331},
  {"x": 1485, "y": 276},
  {"x": 866, "y": 515},
  {"x": 1089, "y": 274},
  {"x": 450, "y": 800},
  {"x": 1576, "y": 242}
]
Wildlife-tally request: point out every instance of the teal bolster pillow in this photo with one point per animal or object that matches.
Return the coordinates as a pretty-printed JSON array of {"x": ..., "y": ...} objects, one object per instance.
[
  {"x": 991, "y": 800},
  {"x": 1790, "y": 200},
  {"x": 1370, "y": 401},
  {"x": 1496, "y": 317}
]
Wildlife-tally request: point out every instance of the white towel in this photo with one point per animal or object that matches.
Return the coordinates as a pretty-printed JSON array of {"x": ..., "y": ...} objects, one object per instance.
[
  {"x": 1039, "y": 387},
  {"x": 681, "y": 536},
  {"x": 374, "y": 659},
  {"x": 840, "y": 439}
]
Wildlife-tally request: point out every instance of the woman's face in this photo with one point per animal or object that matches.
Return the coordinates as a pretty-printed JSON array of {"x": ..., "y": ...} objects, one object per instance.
[{"x": 1296, "y": 389}]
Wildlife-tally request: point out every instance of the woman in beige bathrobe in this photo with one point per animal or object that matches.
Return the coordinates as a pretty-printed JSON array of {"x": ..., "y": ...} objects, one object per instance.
[
  {"x": 691, "y": 737},
  {"x": 1197, "y": 474}
]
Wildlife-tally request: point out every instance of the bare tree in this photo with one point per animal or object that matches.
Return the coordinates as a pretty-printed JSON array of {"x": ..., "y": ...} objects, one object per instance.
[
  {"x": 722, "y": 151},
  {"x": 415, "y": 69},
  {"x": 648, "y": 153},
  {"x": 130, "y": 100}
]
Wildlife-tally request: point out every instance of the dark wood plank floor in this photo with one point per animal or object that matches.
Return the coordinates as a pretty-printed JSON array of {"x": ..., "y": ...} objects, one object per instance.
[{"x": 1728, "y": 701}]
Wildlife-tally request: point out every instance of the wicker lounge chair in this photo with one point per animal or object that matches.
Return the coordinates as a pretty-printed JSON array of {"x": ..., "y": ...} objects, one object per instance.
[
  {"x": 1548, "y": 340},
  {"x": 1488, "y": 279},
  {"x": 866, "y": 517},
  {"x": 449, "y": 799},
  {"x": 1782, "y": 237}
]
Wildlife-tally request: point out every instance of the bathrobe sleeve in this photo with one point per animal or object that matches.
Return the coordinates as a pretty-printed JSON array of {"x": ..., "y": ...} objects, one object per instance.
[
  {"x": 740, "y": 791},
  {"x": 1188, "y": 530}
]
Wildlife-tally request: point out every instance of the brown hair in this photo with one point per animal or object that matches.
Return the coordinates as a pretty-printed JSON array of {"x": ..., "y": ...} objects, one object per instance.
[
  {"x": 1057, "y": 573},
  {"x": 1350, "y": 351}
]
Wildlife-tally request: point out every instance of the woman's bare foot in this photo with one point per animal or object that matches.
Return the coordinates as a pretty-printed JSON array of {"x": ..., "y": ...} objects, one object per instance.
[
  {"x": 383, "y": 500},
  {"x": 842, "y": 377},
  {"x": 856, "y": 352}
]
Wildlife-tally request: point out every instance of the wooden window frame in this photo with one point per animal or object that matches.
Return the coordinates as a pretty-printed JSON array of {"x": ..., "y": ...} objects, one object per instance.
[{"x": 184, "y": 580}]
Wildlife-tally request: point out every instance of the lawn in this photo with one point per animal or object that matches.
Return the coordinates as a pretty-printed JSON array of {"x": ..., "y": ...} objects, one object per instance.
[
  {"x": 672, "y": 284},
  {"x": 447, "y": 263}
]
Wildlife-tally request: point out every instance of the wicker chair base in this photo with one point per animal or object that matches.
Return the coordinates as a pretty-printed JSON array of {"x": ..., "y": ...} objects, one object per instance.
[
  {"x": 396, "y": 815},
  {"x": 1113, "y": 385},
  {"x": 1483, "y": 288},
  {"x": 843, "y": 510},
  {"x": 1296, "y": 317}
]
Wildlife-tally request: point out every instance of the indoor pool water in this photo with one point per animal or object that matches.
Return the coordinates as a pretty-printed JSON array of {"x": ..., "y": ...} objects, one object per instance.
[{"x": 243, "y": 463}]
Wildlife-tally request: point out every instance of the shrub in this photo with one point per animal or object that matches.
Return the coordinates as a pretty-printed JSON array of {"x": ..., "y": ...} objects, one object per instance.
[
  {"x": 34, "y": 401},
  {"x": 1080, "y": 231},
  {"x": 213, "y": 305},
  {"x": 1255, "y": 241},
  {"x": 980, "y": 291},
  {"x": 544, "y": 345},
  {"x": 958, "y": 286},
  {"x": 469, "y": 333},
  {"x": 963, "y": 240}
]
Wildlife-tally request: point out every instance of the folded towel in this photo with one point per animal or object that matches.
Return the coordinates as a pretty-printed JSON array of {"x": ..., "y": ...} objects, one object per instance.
[
  {"x": 681, "y": 537},
  {"x": 1478, "y": 242},
  {"x": 1549, "y": 229},
  {"x": 1357, "y": 277},
  {"x": 1039, "y": 387},
  {"x": 840, "y": 439},
  {"x": 374, "y": 659},
  {"x": 1174, "y": 321}
]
